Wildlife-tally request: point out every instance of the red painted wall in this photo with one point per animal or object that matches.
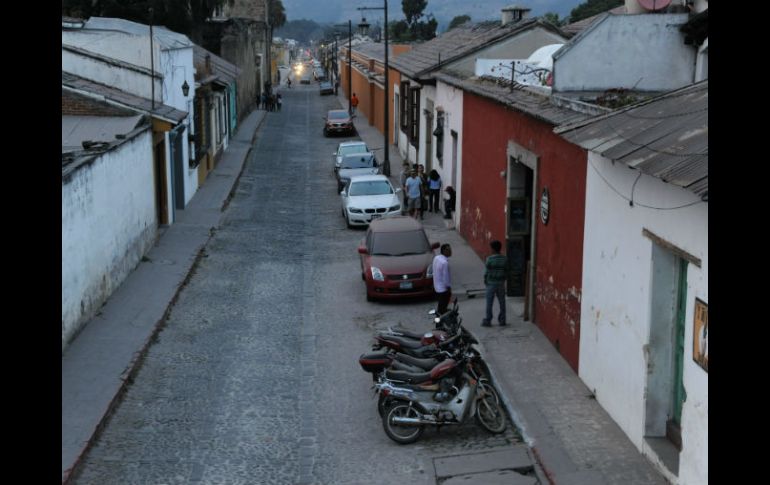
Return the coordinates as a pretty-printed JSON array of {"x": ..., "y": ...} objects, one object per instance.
[{"x": 487, "y": 129}]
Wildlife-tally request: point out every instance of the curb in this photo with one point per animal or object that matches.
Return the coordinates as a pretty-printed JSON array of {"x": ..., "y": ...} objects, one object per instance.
[{"x": 133, "y": 367}]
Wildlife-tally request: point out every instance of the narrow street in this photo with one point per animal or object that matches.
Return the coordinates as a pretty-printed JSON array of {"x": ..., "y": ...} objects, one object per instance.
[{"x": 255, "y": 377}]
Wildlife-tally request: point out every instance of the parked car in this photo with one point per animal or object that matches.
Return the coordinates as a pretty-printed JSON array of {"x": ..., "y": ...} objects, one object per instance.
[
  {"x": 305, "y": 79},
  {"x": 367, "y": 198},
  {"x": 397, "y": 259},
  {"x": 338, "y": 121},
  {"x": 347, "y": 148},
  {"x": 356, "y": 164},
  {"x": 326, "y": 88}
]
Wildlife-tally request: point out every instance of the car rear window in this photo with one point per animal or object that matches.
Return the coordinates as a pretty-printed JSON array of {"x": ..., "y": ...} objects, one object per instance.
[
  {"x": 337, "y": 115},
  {"x": 399, "y": 243},
  {"x": 348, "y": 149},
  {"x": 373, "y": 187},
  {"x": 354, "y": 161}
]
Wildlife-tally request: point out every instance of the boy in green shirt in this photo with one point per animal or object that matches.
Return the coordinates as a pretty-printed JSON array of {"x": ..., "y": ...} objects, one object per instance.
[{"x": 494, "y": 279}]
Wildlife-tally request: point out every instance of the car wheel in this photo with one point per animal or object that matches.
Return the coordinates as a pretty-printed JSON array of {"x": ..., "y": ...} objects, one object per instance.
[
  {"x": 326, "y": 133},
  {"x": 368, "y": 297},
  {"x": 347, "y": 222}
]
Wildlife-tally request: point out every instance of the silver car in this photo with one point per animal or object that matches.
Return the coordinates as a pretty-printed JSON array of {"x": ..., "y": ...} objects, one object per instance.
[
  {"x": 356, "y": 164},
  {"x": 347, "y": 148}
]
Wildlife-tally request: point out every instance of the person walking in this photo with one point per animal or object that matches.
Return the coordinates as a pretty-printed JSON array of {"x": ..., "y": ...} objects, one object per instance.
[
  {"x": 424, "y": 187},
  {"x": 442, "y": 279},
  {"x": 449, "y": 202},
  {"x": 353, "y": 104},
  {"x": 402, "y": 180},
  {"x": 413, "y": 191},
  {"x": 494, "y": 280},
  {"x": 288, "y": 82},
  {"x": 279, "y": 100},
  {"x": 434, "y": 190}
]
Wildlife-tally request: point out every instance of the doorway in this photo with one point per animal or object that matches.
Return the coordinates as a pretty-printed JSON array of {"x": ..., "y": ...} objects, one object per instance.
[
  {"x": 161, "y": 194},
  {"x": 665, "y": 393},
  {"x": 519, "y": 225},
  {"x": 454, "y": 158}
]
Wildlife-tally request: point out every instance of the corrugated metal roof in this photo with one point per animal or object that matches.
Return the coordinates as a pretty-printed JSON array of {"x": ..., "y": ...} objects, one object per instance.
[
  {"x": 77, "y": 129},
  {"x": 221, "y": 68},
  {"x": 166, "y": 38},
  {"x": 524, "y": 100},
  {"x": 460, "y": 42},
  {"x": 122, "y": 98},
  {"x": 374, "y": 50},
  {"x": 666, "y": 137}
]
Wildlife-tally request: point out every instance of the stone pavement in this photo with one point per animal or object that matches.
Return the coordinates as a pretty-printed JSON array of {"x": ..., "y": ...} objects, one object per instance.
[
  {"x": 97, "y": 365},
  {"x": 574, "y": 439}
]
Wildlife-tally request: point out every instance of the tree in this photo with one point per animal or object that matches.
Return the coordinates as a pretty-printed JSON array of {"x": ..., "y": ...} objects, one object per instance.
[
  {"x": 591, "y": 8},
  {"x": 553, "y": 18},
  {"x": 459, "y": 20},
  {"x": 413, "y": 10},
  {"x": 277, "y": 15}
]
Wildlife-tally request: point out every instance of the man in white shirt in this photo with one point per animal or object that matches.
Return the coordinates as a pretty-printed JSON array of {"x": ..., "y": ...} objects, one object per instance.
[
  {"x": 441, "y": 278},
  {"x": 413, "y": 194}
]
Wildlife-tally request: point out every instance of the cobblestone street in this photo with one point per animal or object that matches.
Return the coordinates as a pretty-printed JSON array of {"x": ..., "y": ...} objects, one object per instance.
[{"x": 254, "y": 377}]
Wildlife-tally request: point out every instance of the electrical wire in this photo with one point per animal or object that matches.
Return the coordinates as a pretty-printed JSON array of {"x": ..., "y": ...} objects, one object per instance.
[{"x": 638, "y": 204}]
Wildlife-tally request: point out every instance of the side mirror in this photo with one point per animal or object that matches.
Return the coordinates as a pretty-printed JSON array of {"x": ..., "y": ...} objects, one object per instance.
[
  {"x": 435, "y": 245},
  {"x": 362, "y": 250}
]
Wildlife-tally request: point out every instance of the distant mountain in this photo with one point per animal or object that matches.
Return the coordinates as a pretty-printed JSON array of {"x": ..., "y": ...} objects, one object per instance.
[{"x": 330, "y": 11}]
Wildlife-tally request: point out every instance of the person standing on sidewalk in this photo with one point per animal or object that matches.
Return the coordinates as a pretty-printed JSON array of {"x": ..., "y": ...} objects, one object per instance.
[
  {"x": 494, "y": 279},
  {"x": 441, "y": 278},
  {"x": 413, "y": 194},
  {"x": 434, "y": 188},
  {"x": 353, "y": 104},
  {"x": 402, "y": 181},
  {"x": 424, "y": 188}
]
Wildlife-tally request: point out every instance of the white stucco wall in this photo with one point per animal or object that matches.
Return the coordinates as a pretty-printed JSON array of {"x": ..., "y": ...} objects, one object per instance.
[
  {"x": 128, "y": 80},
  {"x": 427, "y": 93},
  {"x": 616, "y": 301},
  {"x": 133, "y": 49},
  {"x": 451, "y": 99},
  {"x": 108, "y": 224},
  {"x": 643, "y": 52}
]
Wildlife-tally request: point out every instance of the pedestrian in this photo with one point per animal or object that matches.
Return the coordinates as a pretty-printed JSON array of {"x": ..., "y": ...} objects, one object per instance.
[
  {"x": 434, "y": 190},
  {"x": 336, "y": 86},
  {"x": 264, "y": 101},
  {"x": 441, "y": 278},
  {"x": 424, "y": 187},
  {"x": 279, "y": 100},
  {"x": 449, "y": 202},
  {"x": 413, "y": 193},
  {"x": 353, "y": 103},
  {"x": 494, "y": 280},
  {"x": 402, "y": 180},
  {"x": 288, "y": 82}
]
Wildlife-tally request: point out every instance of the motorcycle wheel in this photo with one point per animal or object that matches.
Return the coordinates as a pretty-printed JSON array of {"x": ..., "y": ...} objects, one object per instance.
[
  {"x": 401, "y": 434},
  {"x": 489, "y": 389},
  {"x": 490, "y": 414}
]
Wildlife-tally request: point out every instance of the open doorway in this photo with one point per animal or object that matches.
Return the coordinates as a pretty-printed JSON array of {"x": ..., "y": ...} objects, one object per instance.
[
  {"x": 519, "y": 225},
  {"x": 161, "y": 194}
]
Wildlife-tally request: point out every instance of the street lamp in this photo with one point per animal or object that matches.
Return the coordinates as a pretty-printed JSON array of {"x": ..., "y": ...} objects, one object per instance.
[{"x": 364, "y": 25}]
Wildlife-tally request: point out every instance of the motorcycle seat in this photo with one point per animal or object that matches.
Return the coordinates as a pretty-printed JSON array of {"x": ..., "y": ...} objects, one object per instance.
[
  {"x": 425, "y": 364},
  {"x": 398, "y": 375},
  {"x": 404, "y": 342},
  {"x": 406, "y": 333}
]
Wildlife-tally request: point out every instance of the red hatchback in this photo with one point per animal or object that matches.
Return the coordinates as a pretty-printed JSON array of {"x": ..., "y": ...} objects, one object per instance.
[{"x": 397, "y": 259}]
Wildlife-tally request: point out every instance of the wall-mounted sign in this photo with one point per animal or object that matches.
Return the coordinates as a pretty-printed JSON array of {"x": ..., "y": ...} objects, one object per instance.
[
  {"x": 545, "y": 201},
  {"x": 700, "y": 335}
]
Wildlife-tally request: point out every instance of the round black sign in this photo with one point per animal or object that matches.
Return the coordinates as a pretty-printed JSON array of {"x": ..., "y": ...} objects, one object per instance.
[{"x": 544, "y": 206}]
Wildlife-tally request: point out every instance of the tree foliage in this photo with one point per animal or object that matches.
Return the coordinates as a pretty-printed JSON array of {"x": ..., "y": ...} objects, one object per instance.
[
  {"x": 459, "y": 20},
  {"x": 553, "y": 18},
  {"x": 591, "y": 8},
  {"x": 413, "y": 28}
]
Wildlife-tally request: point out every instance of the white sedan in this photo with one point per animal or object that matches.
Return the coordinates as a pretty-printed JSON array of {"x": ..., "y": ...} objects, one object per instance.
[{"x": 369, "y": 197}]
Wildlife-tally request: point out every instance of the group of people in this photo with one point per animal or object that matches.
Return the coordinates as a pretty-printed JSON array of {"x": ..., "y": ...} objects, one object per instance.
[
  {"x": 494, "y": 281},
  {"x": 269, "y": 101},
  {"x": 423, "y": 192}
]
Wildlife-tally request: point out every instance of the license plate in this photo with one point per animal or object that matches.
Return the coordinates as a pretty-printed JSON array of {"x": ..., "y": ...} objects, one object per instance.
[
  {"x": 376, "y": 216},
  {"x": 406, "y": 285}
]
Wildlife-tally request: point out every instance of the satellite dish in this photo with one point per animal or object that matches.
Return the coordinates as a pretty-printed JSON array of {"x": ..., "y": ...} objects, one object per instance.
[{"x": 654, "y": 4}]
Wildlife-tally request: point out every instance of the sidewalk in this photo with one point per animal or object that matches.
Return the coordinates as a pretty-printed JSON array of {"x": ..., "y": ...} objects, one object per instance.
[
  {"x": 99, "y": 362},
  {"x": 574, "y": 439}
]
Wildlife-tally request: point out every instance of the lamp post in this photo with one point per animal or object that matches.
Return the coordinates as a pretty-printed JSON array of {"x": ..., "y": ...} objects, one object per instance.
[{"x": 386, "y": 125}]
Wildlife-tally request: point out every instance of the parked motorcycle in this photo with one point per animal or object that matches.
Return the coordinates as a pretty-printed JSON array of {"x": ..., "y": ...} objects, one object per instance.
[{"x": 448, "y": 394}]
